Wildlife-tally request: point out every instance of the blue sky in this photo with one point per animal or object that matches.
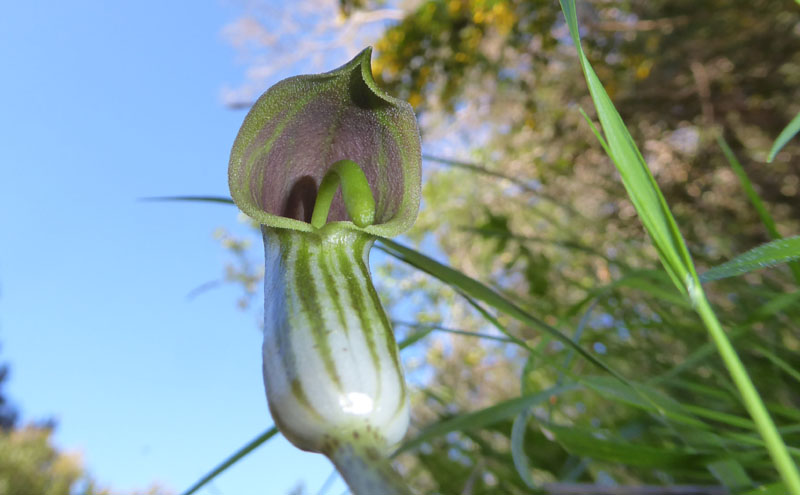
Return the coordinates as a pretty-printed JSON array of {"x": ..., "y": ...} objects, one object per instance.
[{"x": 103, "y": 103}]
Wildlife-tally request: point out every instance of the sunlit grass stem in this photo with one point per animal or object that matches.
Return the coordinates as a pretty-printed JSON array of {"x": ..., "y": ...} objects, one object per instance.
[{"x": 750, "y": 396}]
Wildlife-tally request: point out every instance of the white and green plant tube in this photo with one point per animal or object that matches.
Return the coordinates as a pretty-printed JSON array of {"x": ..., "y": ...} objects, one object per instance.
[
  {"x": 326, "y": 164},
  {"x": 331, "y": 368}
]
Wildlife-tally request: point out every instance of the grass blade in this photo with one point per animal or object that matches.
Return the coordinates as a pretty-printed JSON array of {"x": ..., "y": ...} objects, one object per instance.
[
  {"x": 764, "y": 256},
  {"x": 643, "y": 397},
  {"x": 230, "y": 461},
  {"x": 780, "y": 363},
  {"x": 755, "y": 199},
  {"x": 464, "y": 333},
  {"x": 414, "y": 337},
  {"x": 660, "y": 224},
  {"x": 777, "y": 304},
  {"x": 518, "y": 455},
  {"x": 786, "y": 134},
  {"x": 773, "y": 489},
  {"x": 484, "y": 417},
  {"x": 477, "y": 290},
  {"x": 730, "y": 473},
  {"x": 595, "y": 131},
  {"x": 749, "y": 190},
  {"x": 587, "y": 443},
  {"x": 636, "y": 177},
  {"x": 196, "y": 199}
]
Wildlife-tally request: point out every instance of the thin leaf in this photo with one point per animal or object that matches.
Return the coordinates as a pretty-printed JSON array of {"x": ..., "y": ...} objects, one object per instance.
[
  {"x": 430, "y": 328},
  {"x": 230, "y": 461},
  {"x": 484, "y": 417},
  {"x": 568, "y": 244},
  {"x": 777, "y": 304},
  {"x": 785, "y": 136},
  {"x": 481, "y": 292},
  {"x": 328, "y": 482},
  {"x": 718, "y": 394},
  {"x": 643, "y": 397},
  {"x": 730, "y": 473},
  {"x": 474, "y": 289},
  {"x": 720, "y": 417},
  {"x": 518, "y": 455},
  {"x": 595, "y": 131},
  {"x": 649, "y": 282},
  {"x": 529, "y": 186},
  {"x": 414, "y": 337},
  {"x": 755, "y": 199},
  {"x": 749, "y": 190},
  {"x": 790, "y": 413},
  {"x": 496, "y": 323},
  {"x": 750, "y": 439},
  {"x": 561, "y": 488},
  {"x": 780, "y": 363},
  {"x": 764, "y": 256},
  {"x": 636, "y": 177},
  {"x": 480, "y": 169},
  {"x": 197, "y": 199},
  {"x": 588, "y": 443},
  {"x": 773, "y": 489},
  {"x": 577, "y": 337}
]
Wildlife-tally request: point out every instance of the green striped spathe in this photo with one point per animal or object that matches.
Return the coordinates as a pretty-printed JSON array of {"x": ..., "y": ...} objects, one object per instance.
[{"x": 331, "y": 369}]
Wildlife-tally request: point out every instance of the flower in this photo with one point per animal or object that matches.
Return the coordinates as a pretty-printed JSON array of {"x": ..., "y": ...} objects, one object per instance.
[
  {"x": 303, "y": 125},
  {"x": 331, "y": 369}
]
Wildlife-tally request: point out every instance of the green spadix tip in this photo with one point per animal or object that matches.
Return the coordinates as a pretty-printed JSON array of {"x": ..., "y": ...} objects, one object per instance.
[{"x": 356, "y": 194}]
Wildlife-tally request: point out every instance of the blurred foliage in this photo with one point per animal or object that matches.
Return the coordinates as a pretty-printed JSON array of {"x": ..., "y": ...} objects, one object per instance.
[
  {"x": 678, "y": 72},
  {"x": 30, "y": 464},
  {"x": 8, "y": 414},
  {"x": 533, "y": 206}
]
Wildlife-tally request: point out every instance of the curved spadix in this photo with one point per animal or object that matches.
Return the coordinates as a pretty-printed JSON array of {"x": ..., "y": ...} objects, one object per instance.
[{"x": 303, "y": 125}]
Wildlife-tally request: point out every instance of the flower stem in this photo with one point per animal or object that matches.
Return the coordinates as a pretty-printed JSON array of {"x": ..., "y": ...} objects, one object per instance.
[{"x": 366, "y": 471}]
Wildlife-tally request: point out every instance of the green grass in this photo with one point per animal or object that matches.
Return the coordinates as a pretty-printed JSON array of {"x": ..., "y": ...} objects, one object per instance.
[
  {"x": 661, "y": 226},
  {"x": 790, "y": 131},
  {"x": 755, "y": 200}
]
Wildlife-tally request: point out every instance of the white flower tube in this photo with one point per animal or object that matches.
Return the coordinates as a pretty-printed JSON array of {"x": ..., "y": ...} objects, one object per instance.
[{"x": 331, "y": 368}]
